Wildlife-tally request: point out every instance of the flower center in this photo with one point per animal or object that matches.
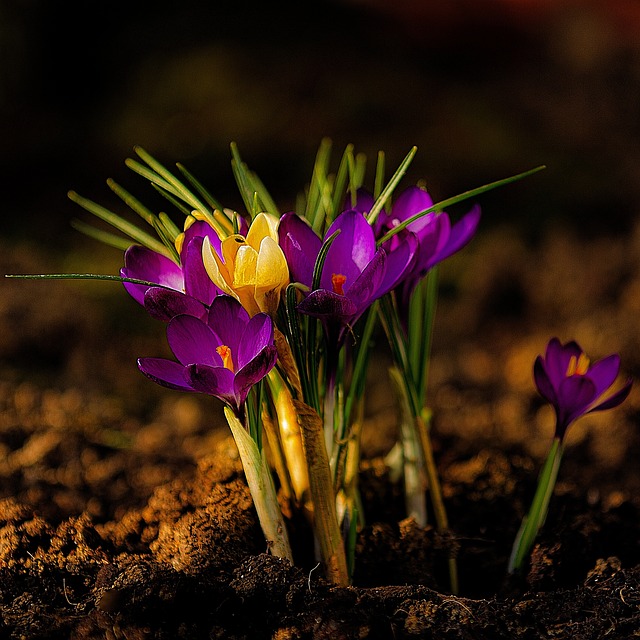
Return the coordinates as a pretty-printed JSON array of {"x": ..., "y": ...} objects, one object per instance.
[
  {"x": 225, "y": 353},
  {"x": 337, "y": 282},
  {"x": 578, "y": 366}
]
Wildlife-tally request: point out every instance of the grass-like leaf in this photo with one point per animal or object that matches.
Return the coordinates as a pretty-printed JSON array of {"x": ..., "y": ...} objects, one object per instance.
[
  {"x": 439, "y": 206},
  {"x": 135, "y": 233},
  {"x": 392, "y": 184}
]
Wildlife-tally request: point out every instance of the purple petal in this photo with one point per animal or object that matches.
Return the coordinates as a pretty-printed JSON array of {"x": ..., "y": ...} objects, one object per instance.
[
  {"x": 300, "y": 245},
  {"x": 575, "y": 394},
  {"x": 192, "y": 341},
  {"x": 214, "y": 381},
  {"x": 351, "y": 250},
  {"x": 321, "y": 303},
  {"x": 143, "y": 264},
  {"x": 228, "y": 319},
  {"x": 604, "y": 372},
  {"x": 197, "y": 282},
  {"x": 257, "y": 335},
  {"x": 461, "y": 234},
  {"x": 165, "y": 304},
  {"x": 543, "y": 383},
  {"x": 165, "y": 372},
  {"x": 399, "y": 263},
  {"x": 364, "y": 201},
  {"x": 410, "y": 202},
  {"x": 368, "y": 285},
  {"x": 254, "y": 371},
  {"x": 614, "y": 400},
  {"x": 557, "y": 358}
]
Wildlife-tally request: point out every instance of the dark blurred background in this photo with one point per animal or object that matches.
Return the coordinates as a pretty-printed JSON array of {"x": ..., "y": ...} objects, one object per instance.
[{"x": 485, "y": 89}]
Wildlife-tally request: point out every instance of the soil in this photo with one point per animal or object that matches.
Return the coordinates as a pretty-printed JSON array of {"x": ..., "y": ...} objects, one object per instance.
[{"x": 124, "y": 512}]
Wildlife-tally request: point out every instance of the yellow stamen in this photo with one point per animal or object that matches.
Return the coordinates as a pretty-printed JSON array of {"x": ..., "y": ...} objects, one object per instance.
[
  {"x": 337, "y": 282},
  {"x": 578, "y": 366},
  {"x": 225, "y": 353}
]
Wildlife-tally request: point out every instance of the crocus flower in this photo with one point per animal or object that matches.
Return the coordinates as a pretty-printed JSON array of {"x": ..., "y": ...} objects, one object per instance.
[
  {"x": 223, "y": 355},
  {"x": 355, "y": 272},
  {"x": 437, "y": 237},
  {"x": 568, "y": 381},
  {"x": 184, "y": 287},
  {"x": 252, "y": 269}
]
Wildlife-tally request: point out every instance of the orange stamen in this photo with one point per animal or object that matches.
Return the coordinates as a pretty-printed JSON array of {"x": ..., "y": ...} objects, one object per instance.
[
  {"x": 225, "y": 353},
  {"x": 578, "y": 366},
  {"x": 337, "y": 282}
]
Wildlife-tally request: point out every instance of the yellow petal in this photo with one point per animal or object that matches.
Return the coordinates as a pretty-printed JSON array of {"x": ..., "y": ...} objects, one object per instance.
[
  {"x": 264, "y": 225},
  {"x": 215, "y": 268},
  {"x": 244, "y": 272},
  {"x": 272, "y": 270}
]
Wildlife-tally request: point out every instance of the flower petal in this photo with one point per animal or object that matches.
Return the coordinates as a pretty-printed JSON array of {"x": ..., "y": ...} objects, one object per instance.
[
  {"x": 227, "y": 319},
  {"x": 165, "y": 372},
  {"x": 300, "y": 245},
  {"x": 214, "y": 381},
  {"x": 543, "y": 383},
  {"x": 575, "y": 394},
  {"x": 191, "y": 341},
  {"x": 615, "y": 399},
  {"x": 351, "y": 250},
  {"x": 604, "y": 372},
  {"x": 165, "y": 304},
  {"x": 143, "y": 264},
  {"x": 322, "y": 303},
  {"x": 257, "y": 335},
  {"x": 197, "y": 282},
  {"x": 557, "y": 358},
  {"x": 256, "y": 369}
]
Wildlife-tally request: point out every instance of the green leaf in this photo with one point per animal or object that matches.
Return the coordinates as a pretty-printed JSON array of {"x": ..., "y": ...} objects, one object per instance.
[
  {"x": 322, "y": 256},
  {"x": 166, "y": 176},
  {"x": 133, "y": 203},
  {"x": 341, "y": 182},
  {"x": 199, "y": 187},
  {"x": 393, "y": 183},
  {"x": 105, "y": 237},
  {"x": 439, "y": 206},
  {"x": 135, "y": 233}
]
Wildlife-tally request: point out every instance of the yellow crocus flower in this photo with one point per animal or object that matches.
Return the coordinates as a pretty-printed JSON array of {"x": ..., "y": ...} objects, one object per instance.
[{"x": 252, "y": 269}]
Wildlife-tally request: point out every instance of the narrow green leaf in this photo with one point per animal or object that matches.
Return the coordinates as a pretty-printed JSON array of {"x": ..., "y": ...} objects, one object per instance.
[
  {"x": 172, "y": 230},
  {"x": 379, "y": 179},
  {"x": 135, "y": 233},
  {"x": 132, "y": 202},
  {"x": 105, "y": 237},
  {"x": 84, "y": 276},
  {"x": 174, "y": 200},
  {"x": 439, "y": 206},
  {"x": 182, "y": 191},
  {"x": 340, "y": 182},
  {"x": 534, "y": 520},
  {"x": 393, "y": 183},
  {"x": 199, "y": 187},
  {"x": 322, "y": 256}
]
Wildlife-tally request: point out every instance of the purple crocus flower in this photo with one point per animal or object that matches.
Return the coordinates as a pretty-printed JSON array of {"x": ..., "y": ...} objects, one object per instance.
[
  {"x": 437, "y": 237},
  {"x": 185, "y": 288},
  {"x": 355, "y": 272},
  {"x": 223, "y": 355},
  {"x": 568, "y": 381}
]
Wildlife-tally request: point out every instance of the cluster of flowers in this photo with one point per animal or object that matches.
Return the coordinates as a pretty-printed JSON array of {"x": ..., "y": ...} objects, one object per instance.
[{"x": 274, "y": 314}]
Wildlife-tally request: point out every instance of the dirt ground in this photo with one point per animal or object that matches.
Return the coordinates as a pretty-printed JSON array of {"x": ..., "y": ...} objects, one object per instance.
[{"x": 124, "y": 513}]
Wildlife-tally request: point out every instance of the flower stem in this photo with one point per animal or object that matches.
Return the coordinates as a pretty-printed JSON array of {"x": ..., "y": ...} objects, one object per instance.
[
  {"x": 534, "y": 520},
  {"x": 261, "y": 487},
  {"x": 325, "y": 524}
]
